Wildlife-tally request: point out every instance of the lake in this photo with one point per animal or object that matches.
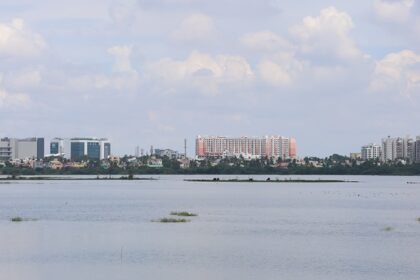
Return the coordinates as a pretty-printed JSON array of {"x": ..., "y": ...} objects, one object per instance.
[{"x": 104, "y": 229}]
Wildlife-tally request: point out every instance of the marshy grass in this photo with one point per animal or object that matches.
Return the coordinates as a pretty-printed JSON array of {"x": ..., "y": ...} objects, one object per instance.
[
  {"x": 388, "y": 229},
  {"x": 171, "y": 220},
  {"x": 183, "y": 214},
  {"x": 18, "y": 219}
]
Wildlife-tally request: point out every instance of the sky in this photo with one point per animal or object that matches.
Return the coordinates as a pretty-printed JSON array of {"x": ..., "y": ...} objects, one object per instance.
[{"x": 333, "y": 74}]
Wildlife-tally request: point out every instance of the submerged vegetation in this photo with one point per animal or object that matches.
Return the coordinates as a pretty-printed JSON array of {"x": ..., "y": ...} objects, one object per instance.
[{"x": 171, "y": 220}]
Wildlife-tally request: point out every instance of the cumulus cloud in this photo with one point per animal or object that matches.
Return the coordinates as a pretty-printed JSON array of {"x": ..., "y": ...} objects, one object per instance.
[
  {"x": 13, "y": 100},
  {"x": 265, "y": 41},
  {"x": 123, "y": 13},
  {"x": 122, "y": 56},
  {"x": 281, "y": 70},
  {"x": 397, "y": 11},
  {"x": 16, "y": 39},
  {"x": 196, "y": 27},
  {"x": 398, "y": 72},
  {"x": 23, "y": 79},
  {"x": 204, "y": 70},
  {"x": 101, "y": 82},
  {"x": 327, "y": 35}
]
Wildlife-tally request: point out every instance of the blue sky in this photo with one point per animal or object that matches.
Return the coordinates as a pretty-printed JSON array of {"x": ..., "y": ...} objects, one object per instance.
[{"x": 334, "y": 74}]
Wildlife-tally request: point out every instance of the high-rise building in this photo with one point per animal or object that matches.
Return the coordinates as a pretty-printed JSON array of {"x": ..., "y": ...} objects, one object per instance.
[
  {"x": 397, "y": 148},
  {"x": 416, "y": 150},
  {"x": 78, "y": 148},
  {"x": 371, "y": 152},
  {"x": 270, "y": 146},
  {"x": 26, "y": 148}
]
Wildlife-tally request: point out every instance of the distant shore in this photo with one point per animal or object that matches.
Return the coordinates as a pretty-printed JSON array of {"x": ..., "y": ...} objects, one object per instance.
[
  {"x": 366, "y": 169},
  {"x": 269, "y": 180}
]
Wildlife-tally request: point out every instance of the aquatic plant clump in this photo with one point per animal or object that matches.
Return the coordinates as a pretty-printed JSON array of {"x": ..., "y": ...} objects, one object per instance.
[
  {"x": 183, "y": 214},
  {"x": 21, "y": 219}
]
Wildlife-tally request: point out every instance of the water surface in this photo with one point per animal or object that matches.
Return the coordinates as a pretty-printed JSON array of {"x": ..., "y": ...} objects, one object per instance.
[{"x": 103, "y": 229}]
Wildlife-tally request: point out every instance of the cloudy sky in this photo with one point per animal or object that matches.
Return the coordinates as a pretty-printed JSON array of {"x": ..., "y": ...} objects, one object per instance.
[{"x": 334, "y": 74}]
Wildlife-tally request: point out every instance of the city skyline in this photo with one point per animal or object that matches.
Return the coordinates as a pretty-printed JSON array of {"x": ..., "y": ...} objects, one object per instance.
[{"x": 334, "y": 74}]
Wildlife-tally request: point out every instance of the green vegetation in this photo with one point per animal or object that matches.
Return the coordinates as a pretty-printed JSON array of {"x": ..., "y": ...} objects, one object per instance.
[
  {"x": 17, "y": 219},
  {"x": 268, "y": 180},
  {"x": 388, "y": 229},
  {"x": 171, "y": 220},
  {"x": 21, "y": 219},
  {"x": 418, "y": 219},
  {"x": 183, "y": 214},
  {"x": 129, "y": 166}
]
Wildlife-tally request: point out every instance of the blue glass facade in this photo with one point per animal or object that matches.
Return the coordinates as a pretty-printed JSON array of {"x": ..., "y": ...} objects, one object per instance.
[
  {"x": 77, "y": 151},
  {"x": 40, "y": 148},
  {"x": 93, "y": 150},
  {"x": 54, "y": 146}
]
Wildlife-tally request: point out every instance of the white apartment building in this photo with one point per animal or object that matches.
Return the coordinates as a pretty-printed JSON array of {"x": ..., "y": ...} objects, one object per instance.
[
  {"x": 371, "y": 152},
  {"x": 397, "y": 148}
]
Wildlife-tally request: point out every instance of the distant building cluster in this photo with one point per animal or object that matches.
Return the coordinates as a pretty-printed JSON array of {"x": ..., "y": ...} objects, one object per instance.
[
  {"x": 167, "y": 153},
  {"x": 393, "y": 149},
  {"x": 247, "y": 147},
  {"x": 76, "y": 149},
  {"x": 14, "y": 148}
]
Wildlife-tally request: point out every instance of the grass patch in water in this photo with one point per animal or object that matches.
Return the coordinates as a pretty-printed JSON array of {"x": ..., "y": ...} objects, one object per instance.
[
  {"x": 183, "y": 214},
  {"x": 18, "y": 219},
  {"x": 171, "y": 220},
  {"x": 388, "y": 229},
  {"x": 418, "y": 219}
]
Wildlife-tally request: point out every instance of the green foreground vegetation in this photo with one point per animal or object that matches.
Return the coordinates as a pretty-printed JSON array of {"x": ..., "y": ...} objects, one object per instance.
[{"x": 333, "y": 165}]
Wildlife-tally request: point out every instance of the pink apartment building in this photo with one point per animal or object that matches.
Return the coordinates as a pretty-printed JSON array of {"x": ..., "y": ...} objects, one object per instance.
[{"x": 270, "y": 146}]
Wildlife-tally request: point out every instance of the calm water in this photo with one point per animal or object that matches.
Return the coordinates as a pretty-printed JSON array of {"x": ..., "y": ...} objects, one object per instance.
[{"x": 103, "y": 230}]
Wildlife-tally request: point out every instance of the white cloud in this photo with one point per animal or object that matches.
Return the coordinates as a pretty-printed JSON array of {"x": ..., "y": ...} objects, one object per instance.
[
  {"x": 393, "y": 10},
  {"x": 123, "y": 12},
  {"x": 13, "y": 100},
  {"x": 281, "y": 70},
  {"x": 327, "y": 35},
  {"x": 99, "y": 82},
  {"x": 196, "y": 27},
  {"x": 16, "y": 39},
  {"x": 24, "y": 79},
  {"x": 265, "y": 41},
  {"x": 229, "y": 68},
  {"x": 204, "y": 71},
  {"x": 398, "y": 72},
  {"x": 122, "y": 56}
]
